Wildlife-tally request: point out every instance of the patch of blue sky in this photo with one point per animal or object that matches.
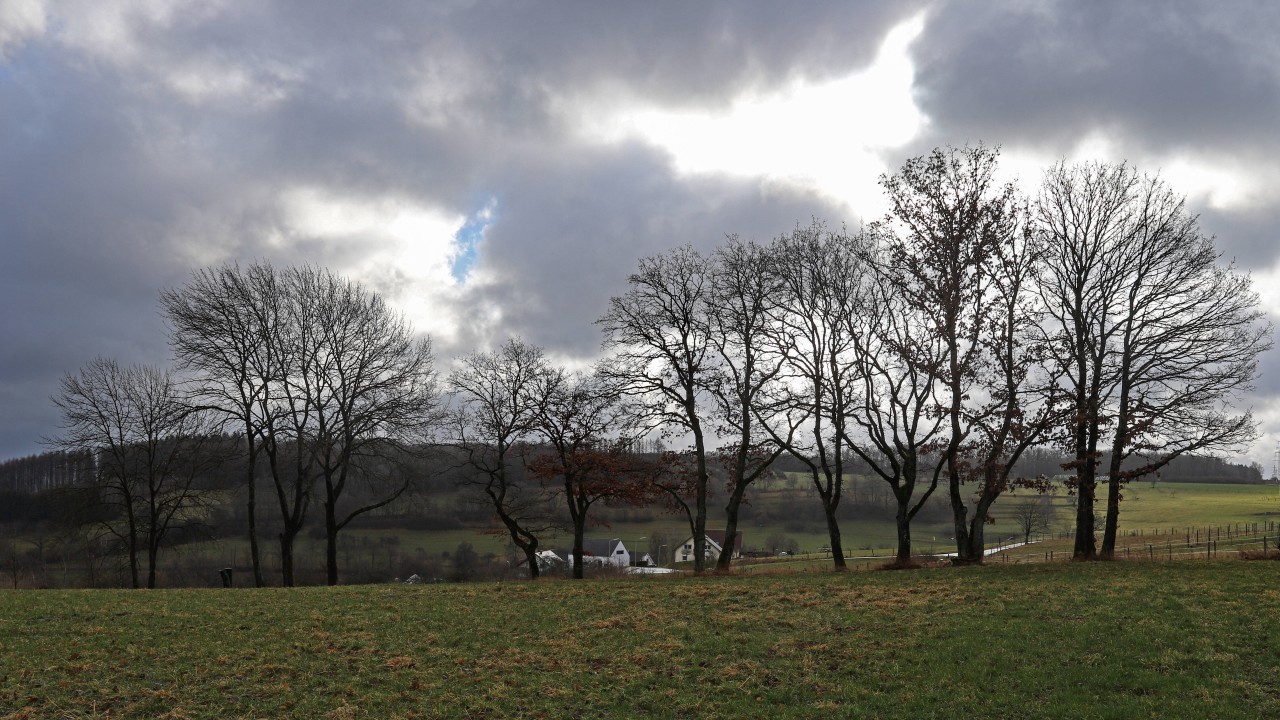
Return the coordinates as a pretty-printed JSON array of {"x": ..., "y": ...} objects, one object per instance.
[{"x": 469, "y": 237}]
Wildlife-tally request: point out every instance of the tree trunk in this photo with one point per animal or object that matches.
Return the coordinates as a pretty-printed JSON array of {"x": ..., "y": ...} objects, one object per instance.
[
  {"x": 1113, "y": 472},
  {"x": 133, "y": 551},
  {"x": 960, "y": 523},
  {"x": 977, "y": 554},
  {"x": 1113, "y": 518},
  {"x": 579, "y": 531},
  {"x": 531, "y": 556},
  {"x": 833, "y": 531},
  {"x": 255, "y": 555},
  {"x": 903, "y": 521},
  {"x": 1086, "y": 474},
  {"x": 700, "y": 511},
  {"x": 975, "y": 551},
  {"x": 1085, "y": 547},
  {"x": 330, "y": 542},
  {"x": 151, "y": 568},
  {"x": 286, "y": 557},
  {"x": 730, "y": 528},
  {"x": 577, "y": 515}
]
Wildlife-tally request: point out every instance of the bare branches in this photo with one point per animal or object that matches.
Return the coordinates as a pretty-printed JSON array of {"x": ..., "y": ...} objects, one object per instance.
[
  {"x": 149, "y": 445},
  {"x": 658, "y": 335},
  {"x": 1154, "y": 335},
  {"x": 320, "y": 376},
  {"x": 498, "y": 411}
]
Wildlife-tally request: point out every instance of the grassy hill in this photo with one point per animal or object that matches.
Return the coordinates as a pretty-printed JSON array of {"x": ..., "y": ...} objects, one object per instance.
[{"x": 1098, "y": 640}]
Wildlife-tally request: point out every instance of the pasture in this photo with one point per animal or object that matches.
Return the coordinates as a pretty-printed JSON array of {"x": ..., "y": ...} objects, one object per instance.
[{"x": 1063, "y": 640}]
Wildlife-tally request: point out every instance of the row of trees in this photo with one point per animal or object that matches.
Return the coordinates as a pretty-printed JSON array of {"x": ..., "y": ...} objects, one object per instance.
[
  {"x": 930, "y": 349},
  {"x": 324, "y": 386},
  {"x": 938, "y": 344}
]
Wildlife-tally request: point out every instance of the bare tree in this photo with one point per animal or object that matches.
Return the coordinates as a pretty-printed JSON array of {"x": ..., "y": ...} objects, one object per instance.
[
  {"x": 1189, "y": 335},
  {"x": 956, "y": 253},
  {"x": 1033, "y": 516},
  {"x": 658, "y": 337},
  {"x": 496, "y": 415},
  {"x": 747, "y": 394},
  {"x": 1154, "y": 337},
  {"x": 1083, "y": 215},
  {"x": 1021, "y": 405},
  {"x": 221, "y": 327},
  {"x": 823, "y": 275},
  {"x": 585, "y": 448},
  {"x": 150, "y": 451},
  {"x": 236, "y": 330},
  {"x": 367, "y": 389},
  {"x": 893, "y": 424},
  {"x": 324, "y": 381}
]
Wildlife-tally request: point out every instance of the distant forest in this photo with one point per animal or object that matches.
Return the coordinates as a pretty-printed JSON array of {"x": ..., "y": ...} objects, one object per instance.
[
  {"x": 27, "y": 483},
  {"x": 54, "y": 470}
]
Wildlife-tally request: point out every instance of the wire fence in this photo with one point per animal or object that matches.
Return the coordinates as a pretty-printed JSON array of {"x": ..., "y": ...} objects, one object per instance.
[{"x": 1173, "y": 543}]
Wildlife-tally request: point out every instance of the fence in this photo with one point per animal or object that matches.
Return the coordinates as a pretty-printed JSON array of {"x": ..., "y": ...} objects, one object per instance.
[{"x": 1207, "y": 541}]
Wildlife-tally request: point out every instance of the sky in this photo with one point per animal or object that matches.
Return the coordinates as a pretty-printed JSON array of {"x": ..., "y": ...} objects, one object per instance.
[{"x": 497, "y": 168}]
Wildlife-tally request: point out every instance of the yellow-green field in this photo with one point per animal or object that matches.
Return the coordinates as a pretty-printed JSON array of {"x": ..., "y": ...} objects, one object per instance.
[{"x": 1062, "y": 640}]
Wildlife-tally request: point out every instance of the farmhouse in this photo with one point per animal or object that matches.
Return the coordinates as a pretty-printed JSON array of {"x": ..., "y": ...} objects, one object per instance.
[
  {"x": 715, "y": 545},
  {"x": 609, "y": 552},
  {"x": 602, "y": 552},
  {"x": 549, "y": 560}
]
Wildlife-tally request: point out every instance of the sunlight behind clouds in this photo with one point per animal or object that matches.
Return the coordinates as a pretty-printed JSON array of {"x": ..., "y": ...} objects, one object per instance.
[
  {"x": 824, "y": 137},
  {"x": 1215, "y": 182},
  {"x": 405, "y": 252}
]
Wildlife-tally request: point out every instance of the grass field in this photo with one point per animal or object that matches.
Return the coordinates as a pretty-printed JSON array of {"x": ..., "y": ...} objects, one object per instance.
[
  {"x": 1144, "y": 509},
  {"x": 1082, "y": 640},
  {"x": 379, "y": 555}
]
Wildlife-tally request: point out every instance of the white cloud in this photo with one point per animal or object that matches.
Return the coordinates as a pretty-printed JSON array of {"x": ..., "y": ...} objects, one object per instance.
[
  {"x": 825, "y": 137},
  {"x": 19, "y": 20},
  {"x": 397, "y": 248},
  {"x": 1214, "y": 181}
]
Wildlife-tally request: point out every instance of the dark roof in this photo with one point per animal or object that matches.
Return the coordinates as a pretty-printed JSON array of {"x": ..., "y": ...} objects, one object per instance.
[
  {"x": 599, "y": 548},
  {"x": 718, "y": 537}
]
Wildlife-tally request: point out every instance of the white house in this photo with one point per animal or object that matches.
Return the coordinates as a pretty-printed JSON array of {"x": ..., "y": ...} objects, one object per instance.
[
  {"x": 549, "y": 560},
  {"x": 603, "y": 552},
  {"x": 715, "y": 545}
]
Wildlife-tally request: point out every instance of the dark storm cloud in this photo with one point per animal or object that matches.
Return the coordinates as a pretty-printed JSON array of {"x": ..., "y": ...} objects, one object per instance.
[
  {"x": 573, "y": 228},
  {"x": 1249, "y": 236},
  {"x": 1160, "y": 80},
  {"x": 1157, "y": 75},
  {"x": 137, "y": 144}
]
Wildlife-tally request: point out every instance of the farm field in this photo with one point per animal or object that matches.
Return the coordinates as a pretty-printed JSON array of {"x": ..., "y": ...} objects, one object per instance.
[
  {"x": 1144, "y": 510},
  {"x": 1063, "y": 640},
  {"x": 381, "y": 554}
]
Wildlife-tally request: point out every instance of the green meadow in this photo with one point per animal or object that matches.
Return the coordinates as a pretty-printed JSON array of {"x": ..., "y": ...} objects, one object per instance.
[
  {"x": 1145, "y": 509},
  {"x": 1194, "y": 639},
  {"x": 382, "y": 554}
]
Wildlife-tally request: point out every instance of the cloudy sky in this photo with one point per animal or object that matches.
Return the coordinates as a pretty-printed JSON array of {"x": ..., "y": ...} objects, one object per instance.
[{"x": 498, "y": 167}]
